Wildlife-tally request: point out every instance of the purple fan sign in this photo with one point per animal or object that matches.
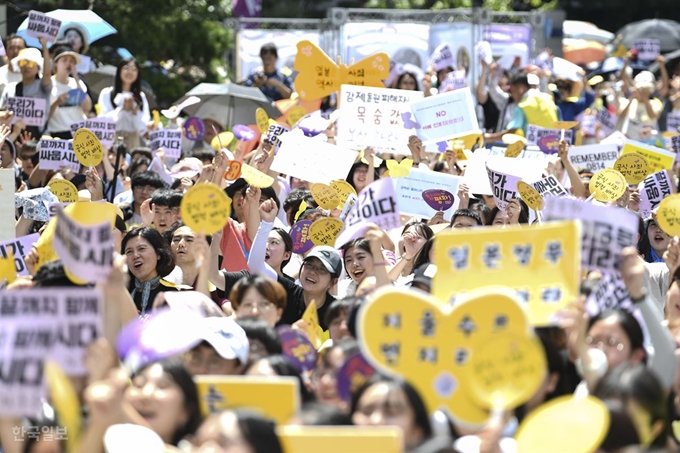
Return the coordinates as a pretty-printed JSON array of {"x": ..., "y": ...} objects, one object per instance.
[
  {"x": 298, "y": 348},
  {"x": 549, "y": 144},
  {"x": 243, "y": 133},
  {"x": 194, "y": 128},
  {"x": 354, "y": 373},
  {"x": 438, "y": 199},
  {"x": 299, "y": 233}
]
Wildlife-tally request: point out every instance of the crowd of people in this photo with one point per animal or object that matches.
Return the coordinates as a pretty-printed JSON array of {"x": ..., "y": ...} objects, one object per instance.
[{"x": 251, "y": 278}]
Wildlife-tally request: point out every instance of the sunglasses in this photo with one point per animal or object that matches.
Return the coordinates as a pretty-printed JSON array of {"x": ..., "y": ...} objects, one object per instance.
[{"x": 27, "y": 64}]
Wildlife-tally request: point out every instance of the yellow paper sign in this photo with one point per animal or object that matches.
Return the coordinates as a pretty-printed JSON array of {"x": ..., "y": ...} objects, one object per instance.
[
  {"x": 431, "y": 343},
  {"x": 325, "y": 196},
  {"x": 8, "y": 269},
  {"x": 64, "y": 190},
  {"x": 340, "y": 439},
  {"x": 156, "y": 118},
  {"x": 399, "y": 169},
  {"x": 658, "y": 159},
  {"x": 43, "y": 245},
  {"x": 541, "y": 263},
  {"x": 319, "y": 76},
  {"x": 469, "y": 141},
  {"x": 205, "y": 208},
  {"x": 87, "y": 147},
  {"x": 65, "y": 402},
  {"x": 668, "y": 215},
  {"x": 344, "y": 189},
  {"x": 515, "y": 149},
  {"x": 633, "y": 167},
  {"x": 507, "y": 371},
  {"x": 225, "y": 138},
  {"x": 565, "y": 124},
  {"x": 295, "y": 114},
  {"x": 273, "y": 397},
  {"x": 583, "y": 425},
  {"x": 509, "y": 139},
  {"x": 317, "y": 336},
  {"x": 255, "y": 177},
  {"x": 607, "y": 185},
  {"x": 324, "y": 231},
  {"x": 620, "y": 52},
  {"x": 262, "y": 120},
  {"x": 531, "y": 197}
]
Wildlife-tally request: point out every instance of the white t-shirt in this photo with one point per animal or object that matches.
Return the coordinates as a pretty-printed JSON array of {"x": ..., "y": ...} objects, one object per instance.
[
  {"x": 107, "y": 108},
  {"x": 65, "y": 115},
  {"x": 7, "y": 77}
]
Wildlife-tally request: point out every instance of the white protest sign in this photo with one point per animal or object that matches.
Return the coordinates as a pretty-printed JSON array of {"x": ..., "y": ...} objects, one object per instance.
[
  {"x": 606, "y": 231},
  {"x": 499, "y": 151},
  {"x": 19, "y": 247},
  {"x": 647, "y": 49},
  {"x": 536, "y": 133},
  {"x": 86, "y": 251},
  {"x": 674, "y": 144},
  {"x": 610, "y": 293},
  {"x": 36, "y": 324},
  {"x": 607, "y": 120},
  {"x": 423, "y": 193},
  {"x": 57, "y": 153},
  {"x": 588, "y": 123},
  {"x": 484, "y": 52},
  {"x": 41, "y": 25},
  {"x": 443, "y": 117},
  {"x": 455, "y": 80},
  {"x": 593, "y": 157},
  {"x": 673, "y": 122},
  {"x": 377, "y": 204},
  {"x": 168, "y": 139},
  {"x": 84, "y": 66},
  {"x": 313, "y": 160},
  {"x": 7, "y": 185},
  {"x": 566, "y": 69},
  {"x": 32, "y": 111},
  {"x": 653, "y": 189},
  {"x": 274, "y": 131},
  {"x": 103, "y": 128},
  {"x": 477, "y": 178},
  {"x": 373, "y": 117},
  {"x": 550, "y": 187},
  {"x": 504, "y": 187},
  {"x": 442, "y": 58}
]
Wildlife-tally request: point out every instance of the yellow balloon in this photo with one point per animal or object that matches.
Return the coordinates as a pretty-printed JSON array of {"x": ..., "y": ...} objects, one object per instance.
[
  {"x": 205, "y": 208},
  {"x": 65, "y": 402},
  {"x": 607, "y": 185},
  {"x": 222, "y": 140},
  {"x": 87, "y": 147},
  {"x": 64, "y": 190}
]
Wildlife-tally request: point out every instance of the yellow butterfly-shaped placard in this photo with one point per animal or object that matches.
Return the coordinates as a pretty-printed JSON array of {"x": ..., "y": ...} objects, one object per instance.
[
  {"x": 399, "y": 169},
  {"x": 319, "y": 76}
]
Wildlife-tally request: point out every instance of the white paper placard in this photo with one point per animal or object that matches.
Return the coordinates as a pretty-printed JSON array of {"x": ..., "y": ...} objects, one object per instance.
[
  {"x": 593, "y": 157},
  {"x": 410, "y": 190},
  {"x": 19, "y": 247},
  {"x": 313, "y": 160},
  {"x": 647, "y": 49},
  {"x": 443, "y": 117},
  {"x": 653, "y": 189},
  {"x": 41, "y": 25},
  {"x": 168, "y": 139},
  {"x": 56, "y": 153},
  {"x": 673, "y": 122},
  {"x": 32, "y": 111},
  {"x": 102, "y": 127},
  {"x": 377, "y": 203}
]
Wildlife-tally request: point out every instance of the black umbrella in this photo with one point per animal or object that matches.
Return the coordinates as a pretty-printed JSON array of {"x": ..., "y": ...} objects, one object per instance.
[
  {"x": 666, "y": 31},
  {"x": 671, "y": 60}
]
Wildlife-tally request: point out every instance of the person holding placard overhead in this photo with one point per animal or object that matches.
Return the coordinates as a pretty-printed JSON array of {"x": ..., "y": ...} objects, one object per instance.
[
  {"x": 36, "y": 81},
  {"x": 69, "y": 106}
]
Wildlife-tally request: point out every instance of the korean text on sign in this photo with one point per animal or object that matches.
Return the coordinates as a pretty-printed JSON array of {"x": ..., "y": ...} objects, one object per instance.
[
  {"x": 37, "y": 324},
  {"x": 168, "y": 139},
  {"x": 606, "y": 231},
  {"x": 652, "y": 190},
  {"x": 377, "y": 204},
  {"x": 372, "y": 117},
  {"x": 32, "y": 111},
  {"x": 19, "y": 247},
  {"x": 540, "y": 263},
  {"x": 57, "y": 153},
  {"x": 42, "y": 26},
  {"x": 103, "y": 128},
  {"x": 443, "y": 117}
]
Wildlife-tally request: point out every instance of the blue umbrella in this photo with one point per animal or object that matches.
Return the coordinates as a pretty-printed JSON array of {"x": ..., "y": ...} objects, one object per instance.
[{"x": 87, "y": 21}]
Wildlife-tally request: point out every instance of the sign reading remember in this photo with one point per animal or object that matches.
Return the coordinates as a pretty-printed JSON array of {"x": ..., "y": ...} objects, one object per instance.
[
  {"x": 371, "y": 117},
  {"x": 55, "y": 323}
]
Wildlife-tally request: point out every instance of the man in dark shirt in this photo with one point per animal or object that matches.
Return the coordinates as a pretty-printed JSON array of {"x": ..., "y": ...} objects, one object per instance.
[{"x": 272, "y": 82}]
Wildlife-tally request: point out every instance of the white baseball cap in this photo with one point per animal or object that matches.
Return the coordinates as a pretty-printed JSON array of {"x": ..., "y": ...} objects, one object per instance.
[{"x": 227, "y": 338}]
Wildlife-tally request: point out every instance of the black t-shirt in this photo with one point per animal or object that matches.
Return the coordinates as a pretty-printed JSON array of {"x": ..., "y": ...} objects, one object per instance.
[{"x": 491, "y": 114}]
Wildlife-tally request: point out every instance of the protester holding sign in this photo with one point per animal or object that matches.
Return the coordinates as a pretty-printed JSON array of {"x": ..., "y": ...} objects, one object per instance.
[
  {"x": 643, "y": 109},
  {"x": 653, "y": 242},
  {"x": 67, "y": 106}
]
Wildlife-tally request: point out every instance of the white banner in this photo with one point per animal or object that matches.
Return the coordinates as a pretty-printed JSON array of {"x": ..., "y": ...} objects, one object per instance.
[
  {"x": 55, "y": 153},
  {"x": 32, "y": 111},
  {"x": 86, "y": 251},
  {"x": 673, "y": 122},
  {"x": 610, "y": 293},
  {"x": 41, "y": 25},
  {"x": 37, "y": 324},
  {"x": 606, "y": 231},
  {"x": 504, "y": 187},
  {"x": 443, "y": 117},
  {"x": 550, "y": 187},
  {"x": 442, "y": 58},
  {"x": 377, "y": 204},
  {"x": 593, "y": 157},
  {"x": 312, "y": 160},
  {"x": 647, "y": 49},
  {"x": 373, "y": 117},
  {"x": 103, "y": 128},
  {"x": 423, "y": 193},
  {"x": 653, "y": 189},
  {"x": 168, "y": 139},
  {"x": 607, "y": 120},
  {"x": 19, "y": 247}
]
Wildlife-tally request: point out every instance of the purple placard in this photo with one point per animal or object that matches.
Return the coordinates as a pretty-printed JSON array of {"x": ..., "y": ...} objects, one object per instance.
[
  {"x": 438, "y": 199},
  {"x": 302, "y": 242},
  {"x": 243, "y": 133},
  {"x": 246, "y": 8},
  {"x": 298, "y": 348},
  {"x": 354, "y": 373},
  {"x": 549, "y": 144},
  {"x": 194, "y": 128},
  {"x": 507, "y": 34}
]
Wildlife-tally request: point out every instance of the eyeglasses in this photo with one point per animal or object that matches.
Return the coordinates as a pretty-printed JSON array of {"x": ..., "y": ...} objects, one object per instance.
[
  {"x": 132, "y": 68},
  {"x": 262, "y": 306},
  {"x": 320, "y": 270},
  {"x": 27, "y": 64},
  {"x": 608, "y": 343}
]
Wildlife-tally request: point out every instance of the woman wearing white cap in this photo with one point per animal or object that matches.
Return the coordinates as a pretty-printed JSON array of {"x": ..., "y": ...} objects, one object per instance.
[
  {"x": 67, "y": 108},
  {"x": 643, "y": 109},
  {"x": 30, "y": 62}
]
